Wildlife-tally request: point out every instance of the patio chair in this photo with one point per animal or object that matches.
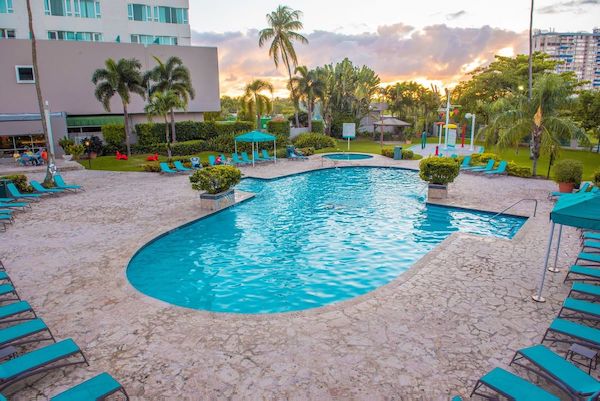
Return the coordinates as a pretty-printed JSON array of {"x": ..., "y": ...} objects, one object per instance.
[
  {"x": 10, "y": 312},
  {"x": 584, "y": 187},
  {"x": 60, "y": 183},
  {"x": 576, "y": 334},
  {"x": 15, "y": 193},
  {"x": 180, "y": 167},
  {"x": 40, "y": 360},
  {"x": 488, "y": 167},
  {"x": 235, "y": 159},
  {"x": 196, "y": 163},
  {"x": 265, "y": 155},
  {"x": 511, "y": 386},
  {"x": 164, "y": 168},
  {"x": 97, "y": 388},
  {"x": 21, "y": 333},
  {"x": 577, "y": 309},
  {"x": 465, "y": 163},
  {"x": 557, "y": 370},
  {"x": 39, "y": 188},
  {"x": 501, "y": 169}
]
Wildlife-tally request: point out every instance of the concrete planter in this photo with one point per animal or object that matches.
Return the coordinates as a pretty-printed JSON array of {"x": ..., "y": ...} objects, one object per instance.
[
  {"x": 217, "y": 201},
  {"x": 437, "y": 191}
]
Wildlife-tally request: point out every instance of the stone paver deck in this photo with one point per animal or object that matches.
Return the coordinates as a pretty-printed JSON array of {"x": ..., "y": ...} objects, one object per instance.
[{"x": 461, "y": 310}]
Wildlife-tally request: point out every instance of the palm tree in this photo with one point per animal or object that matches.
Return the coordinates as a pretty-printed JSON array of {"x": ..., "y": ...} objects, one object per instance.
[
  {"x": 530, "y": 61},
  {"x": 254, "y": 101},
  {"x": 540, "y": 117},
  {"x": 161, "y": 103},
  {"x": 309, "y": 87},
  {"x": 122, "y": 78},
  {"x": 283, "y": 24},
  {"x": 49, "y": 179},
  {"x": 172, "y": 75}
]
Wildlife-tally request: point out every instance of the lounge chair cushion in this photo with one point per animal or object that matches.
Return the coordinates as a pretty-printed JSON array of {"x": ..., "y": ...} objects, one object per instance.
[
  {"x": 14, "y": 309},
  {"x": 95, "y": 388},
  {"x": 21, "y": 330},
  {"x": 580, "y": 331},
  {"x": 515, "y": 387}
]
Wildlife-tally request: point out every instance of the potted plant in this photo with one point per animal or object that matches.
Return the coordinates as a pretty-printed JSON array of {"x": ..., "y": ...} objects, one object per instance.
[
  {"x": 217, "y": 182},
  {"x": 76, "y": 151},
  {"x": 65, "y": 142},
  {"x": 596, "y": 178},
  {"x": 93, "y": 146},
  {"x": 438, "y": 172},
  {"x": 568, "y": 173}
]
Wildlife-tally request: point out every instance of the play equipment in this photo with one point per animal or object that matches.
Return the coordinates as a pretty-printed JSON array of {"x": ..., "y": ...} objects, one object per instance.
[
  {"x": 450, "y": 136},
  {"x": 349, "y": 132},
  {"x": 151, "y": 158},
  {"x": 121, "y": 156}
]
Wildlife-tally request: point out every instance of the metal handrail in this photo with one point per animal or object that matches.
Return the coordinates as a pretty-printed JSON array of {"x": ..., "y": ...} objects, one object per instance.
[{"x": 515, "y": 204}]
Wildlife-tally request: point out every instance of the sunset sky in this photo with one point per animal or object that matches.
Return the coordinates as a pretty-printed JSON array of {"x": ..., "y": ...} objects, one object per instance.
[{"x": 427, "y": 41}]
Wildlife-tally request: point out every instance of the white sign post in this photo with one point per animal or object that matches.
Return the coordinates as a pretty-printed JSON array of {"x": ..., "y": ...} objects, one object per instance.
[{"x": 349, "y": 132}]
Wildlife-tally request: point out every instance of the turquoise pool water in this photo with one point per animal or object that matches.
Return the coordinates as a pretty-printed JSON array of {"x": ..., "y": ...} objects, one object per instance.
[
  {"x": 304, "y": 241},
  {"x": 347, "y": 156}
]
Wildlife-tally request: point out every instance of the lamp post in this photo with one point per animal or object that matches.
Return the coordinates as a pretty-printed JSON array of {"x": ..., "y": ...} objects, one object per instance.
[
  {"x": 472, "y": 117},
  {"x": 87, "y": 145}
]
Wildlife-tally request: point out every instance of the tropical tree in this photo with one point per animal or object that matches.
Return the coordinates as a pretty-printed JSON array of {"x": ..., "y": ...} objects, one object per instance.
[
  {"x": 284, "y": 23},
  {"x": 49, "y": 179},
  {"x": 309, "y": 87},
  {"x": 541, "y": 118},
  {"x": 170, "y": 76},
  {"x": 121, "y": 78},
  {"x": 254, "y": 101},
  {"x": 587, "y": 112},
  {"x": 161, "y": 104}
]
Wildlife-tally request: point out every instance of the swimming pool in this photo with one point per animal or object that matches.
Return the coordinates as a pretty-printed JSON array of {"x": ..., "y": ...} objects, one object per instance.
[
  {"x": 304, "y": 241},
  {"x": 347, "y": 156}
]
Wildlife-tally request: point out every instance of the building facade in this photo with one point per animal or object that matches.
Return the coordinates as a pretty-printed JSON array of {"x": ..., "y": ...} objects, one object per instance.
[{"x": 578, "y": 51}]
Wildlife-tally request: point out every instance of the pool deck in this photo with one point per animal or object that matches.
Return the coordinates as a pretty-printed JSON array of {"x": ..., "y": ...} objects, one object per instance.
[{"x": 461, "y": 310}]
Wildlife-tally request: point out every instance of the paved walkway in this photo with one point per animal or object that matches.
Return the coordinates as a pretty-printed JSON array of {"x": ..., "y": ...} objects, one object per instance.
[{"x": 428, "y": 334}]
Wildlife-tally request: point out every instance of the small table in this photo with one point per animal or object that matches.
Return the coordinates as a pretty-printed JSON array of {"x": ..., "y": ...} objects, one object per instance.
[{"x": 584, "y": 353}]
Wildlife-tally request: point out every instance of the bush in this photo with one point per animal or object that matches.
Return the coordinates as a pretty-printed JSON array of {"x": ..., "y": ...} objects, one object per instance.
[
  {"x": 314, "y": 140},
  {"x": 278, "y": 127},
  {"x": 596, "y": 178},
  {"x": 215, "y": 179},
  {"x": 438, "y": 170},
  {"x": 65, "y": 142},
  {"x": 153, "y": 133},
  {"x": 515, "y": 170},
  {"x": 76, "y": 151},
  {"x": 187, "y": 148},
  {"x": 568, "y": 171},
  {"x": 114, "y": 135},
  {"x": 20, "y": 181},
  {"x": 95, "y": 144},
  {"x": 318, "y": 127},
  {"x": 226, "y": 143},
  {"x": 152, "y": 167},
  {"x": 482, "y": 158},
  {"x": 406, "y": 154}
]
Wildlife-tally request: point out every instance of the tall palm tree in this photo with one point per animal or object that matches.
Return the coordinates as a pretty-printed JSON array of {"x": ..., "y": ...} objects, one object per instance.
[
  {"x": 49, "y": 179},
  {"x": 254, "y": 101},
  {"x": 539, "y": 117},
  {"x": 122, "y": 78},
  {"x": 161, "y": 103},
  {"x": 284, "y": 23},
  {"x": 309, "y": 87},
  {"x": 530, "y": 66},
  {"x": 171, "y": 75}
]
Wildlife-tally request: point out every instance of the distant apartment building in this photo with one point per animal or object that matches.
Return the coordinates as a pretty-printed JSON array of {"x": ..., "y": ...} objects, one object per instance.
[
  {"x": 77, "y": 36},
  {"x": 578, "y": 51}
]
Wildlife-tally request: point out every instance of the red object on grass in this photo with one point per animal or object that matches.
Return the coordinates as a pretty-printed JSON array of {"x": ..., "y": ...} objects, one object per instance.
[
  {"x": 436, "y": 150},
  {"x": 152, "y": 158},
  {"x": 464, "y": 131},
  {"x": 121, "y": 156}
]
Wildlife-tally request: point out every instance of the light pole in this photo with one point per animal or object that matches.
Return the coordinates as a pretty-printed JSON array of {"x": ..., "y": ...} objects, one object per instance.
[{"x": 472, "y": 117}]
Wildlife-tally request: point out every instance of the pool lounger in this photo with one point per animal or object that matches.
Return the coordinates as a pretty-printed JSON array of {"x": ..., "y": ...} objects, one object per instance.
[
  {"x": 511, "y": 386},
  {"x": 39, "y": 188},
  {"x": 15, "y": 193},
  {"x": 235, "y": 159},
  {"x": 557, "y": 370},
  {"x": 60, "y": 183},
  {"x": 246, "y": 159},
  {"x": 164, "y": 168},
  {"x": 180, "y": 167},
  {"x": 11, "y": 312},
  {"x": 97, "y": 388},
  {"x": 501, "y": 169},
  {"x": 265, "y": 156},
  {"x": 40, "y": 360},
  {"x": 579, "y": 309},
  {"x": 15, "y": 205},
  {"x": 25, "y": 332},
  {"x": 576, "y": 333},
  {"x": 482, "y": 169}
]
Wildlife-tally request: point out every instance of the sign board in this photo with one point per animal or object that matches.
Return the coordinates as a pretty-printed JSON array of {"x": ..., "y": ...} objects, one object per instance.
[
  {"x": 452, "y": 137},
  {"x": 349, "y": 130}
]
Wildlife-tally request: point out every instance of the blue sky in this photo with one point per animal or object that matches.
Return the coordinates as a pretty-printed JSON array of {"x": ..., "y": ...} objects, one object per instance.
[{"x": 429, "y": 40}]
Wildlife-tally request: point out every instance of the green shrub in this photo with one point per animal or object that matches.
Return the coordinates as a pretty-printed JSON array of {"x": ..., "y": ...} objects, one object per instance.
[
  {"x": 231, "y": 127},
  {"x": 65, "y": 142},
  {"x": 406, "y": 154},
  {"x": 153, "y": 133},
  {"x": 20, "y": 181},
  {"x": 278, "y": 127},
  {"x": 92, "y": 144},
  {"x": 515, "y": 170},
  {"x": 314, "y": 140},
  {"x": 438, "y": 170},
  {"x": 151, "y": 167},
  {"x": 187, "y": 148},
  {"x": 76, "y": 151},
  {"x": 318, "y": 127},
  {"x": 215, "y": 179},
  {"x": 568, "y": 171},
  {"x": 281, "y": 153},
  {"x": 483, "y": 158},
  {"x": 596, "y": 178},
  {"x": 388, "y": 152},
  {"x": 114, "y": 134}
]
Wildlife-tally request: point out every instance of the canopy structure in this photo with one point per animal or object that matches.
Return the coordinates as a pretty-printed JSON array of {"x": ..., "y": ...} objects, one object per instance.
[
  {"x": 389, "y": 122},
  {"x": 575, "y": 210},
  {"x": 255, "y": 137}
]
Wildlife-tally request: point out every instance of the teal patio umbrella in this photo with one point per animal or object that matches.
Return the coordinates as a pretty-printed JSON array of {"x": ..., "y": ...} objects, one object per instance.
[
  {"x": 256, "y": 137},
  {"x": 574, "y": 210}
]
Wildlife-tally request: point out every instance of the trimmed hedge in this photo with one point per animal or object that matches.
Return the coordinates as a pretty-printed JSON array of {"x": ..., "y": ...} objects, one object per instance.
[
  {"x": 406, "y": 154},
  {"x": 318, "y": 127},
  {"x": 215, "y": 179},
  {"x": 278, "y": 127},
  {"x": 483, "y": 158},
  {"x": 20, "y": 181},
  {"x": 515, "y": 170},
  {"x": 114, "y": 134},
  {"x": 439, "y": 170},
  {"x": 153, "y": 133},
  {"x": 314, "y": 140}
]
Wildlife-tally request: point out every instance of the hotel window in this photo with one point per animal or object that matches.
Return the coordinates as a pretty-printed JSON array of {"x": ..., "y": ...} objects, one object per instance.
[
  {"x": 139, "y": 12},
  {"x": 154, "y": 40},
  {"x": 86, "y": 8},
  {"x": 171, "y": 15},
  {"x": 6, "y": 7},
  {"x": 77, "y": 36},
  {"x": 58, "y": 7},
  {"x": 7, "y": 33},
  {"x": 24, "y": 74}
]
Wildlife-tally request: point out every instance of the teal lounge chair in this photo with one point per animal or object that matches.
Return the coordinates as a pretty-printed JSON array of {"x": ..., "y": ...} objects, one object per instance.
[
  {"x": 97, "y": 388},
  {"x": 15, "y": 193},
  {"x": 180, "y": 167},
  {"x": 265, "y": 155},
  {"x": 576, "y": 334},
  {"x": 584, "y": 187},
  {"x": 560, "y": 372},
  {"x": 588, "y": 257},
  {"x": 246, "y": 159},
  {"x": 21, "y": 333},
  {"x": 164, "y": 168},
  {"x": 501, "y": 169},
  {"x": 15, "y": 205},
  {"x": 488, "y": 167},
  {"x": 10, "y": 312},
  {"x": 39, "y": 188},
  {"x": 235, "y": 159},
  {"x": 588, "y": 273},
  {"x": 40, "y": 360},
  {"x": 470, "y": 168},
  {"x": 60, "y": 183},
  {"x": 512, "y": 387},
  {"x": 577, "y": 309},
  {"x": 465, "y": 163},
  {"x": 257, "y": 157},
  {"x": 212, "y": 161}
]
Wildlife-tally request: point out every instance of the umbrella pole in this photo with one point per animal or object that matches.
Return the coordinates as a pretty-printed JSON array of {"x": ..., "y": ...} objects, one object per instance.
[
  {"x": 252, "y": 154},
  {"x": 274, "y": 151},
  {"x": 235, "y": 146},
  {"x": 554, "y": 269},
  {"x": 538, "y": 297}
]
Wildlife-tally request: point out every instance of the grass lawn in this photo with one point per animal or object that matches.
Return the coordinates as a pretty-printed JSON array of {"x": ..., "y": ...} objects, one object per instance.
[{"x": 134, "y": 163}]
